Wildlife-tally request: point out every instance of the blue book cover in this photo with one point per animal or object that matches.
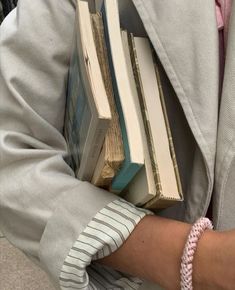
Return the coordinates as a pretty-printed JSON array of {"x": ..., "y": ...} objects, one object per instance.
[
  {"x": 77, "y": 115},
  {"x": 129, "y": 168},
  {"x": 88, "y": 113}
]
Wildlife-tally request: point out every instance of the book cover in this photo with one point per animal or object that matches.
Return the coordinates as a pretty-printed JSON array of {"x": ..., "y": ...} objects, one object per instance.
[
  {"x": 129, "y": 122},
  {"x": 88, "y": 113}
]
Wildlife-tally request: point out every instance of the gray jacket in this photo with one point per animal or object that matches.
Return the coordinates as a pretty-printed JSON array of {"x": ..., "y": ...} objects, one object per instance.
[
  {"x": 40, "y": 200},
  {"x": 185, "y": 37}
]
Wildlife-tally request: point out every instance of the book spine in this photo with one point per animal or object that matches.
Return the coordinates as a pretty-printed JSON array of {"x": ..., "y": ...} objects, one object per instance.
[
  {"x": 125, "y": 175},
  {"x": 71, "y": 99},
  {"x": 128, "y": 169}
]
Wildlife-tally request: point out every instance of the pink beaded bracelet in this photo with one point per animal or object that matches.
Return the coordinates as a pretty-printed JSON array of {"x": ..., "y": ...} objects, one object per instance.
[{"x": 186, "y": 270}]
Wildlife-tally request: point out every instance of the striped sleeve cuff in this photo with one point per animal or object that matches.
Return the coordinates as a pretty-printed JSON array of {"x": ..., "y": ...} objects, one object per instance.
[{"x": 105, "y": 233}]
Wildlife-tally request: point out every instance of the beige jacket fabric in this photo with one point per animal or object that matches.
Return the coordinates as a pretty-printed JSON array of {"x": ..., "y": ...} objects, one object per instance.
[
  {"x": 43, "y": 208},
  {"x": 186, "y": 40}
]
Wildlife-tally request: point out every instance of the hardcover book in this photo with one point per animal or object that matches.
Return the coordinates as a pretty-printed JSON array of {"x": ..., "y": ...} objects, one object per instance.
[
  {"x": 159, "y": 141},
  {"x": 129, "y": 121},
  {"x": 88, "y": 113}
]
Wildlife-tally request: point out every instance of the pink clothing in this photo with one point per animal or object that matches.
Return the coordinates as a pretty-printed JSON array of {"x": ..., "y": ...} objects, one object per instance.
[
  {"x": 219, "y": 17},
  {"x": 223, "y": 11}
]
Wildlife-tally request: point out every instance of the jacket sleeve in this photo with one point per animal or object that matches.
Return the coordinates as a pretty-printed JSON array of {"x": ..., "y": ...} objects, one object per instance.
[{"x": 60, "y": 222}]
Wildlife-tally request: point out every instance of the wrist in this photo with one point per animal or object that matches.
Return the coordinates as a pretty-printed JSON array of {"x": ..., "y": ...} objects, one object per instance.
[{"x": 207, "y": 260}]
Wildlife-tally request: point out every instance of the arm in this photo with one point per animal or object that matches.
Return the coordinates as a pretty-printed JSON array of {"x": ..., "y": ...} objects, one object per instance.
[
  {"x": 154, "y": 250},
  {"x": 43, "y": 208}
]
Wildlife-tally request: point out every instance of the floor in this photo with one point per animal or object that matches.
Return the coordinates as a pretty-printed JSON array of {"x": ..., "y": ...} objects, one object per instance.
[{"x": 17, "y": 272}]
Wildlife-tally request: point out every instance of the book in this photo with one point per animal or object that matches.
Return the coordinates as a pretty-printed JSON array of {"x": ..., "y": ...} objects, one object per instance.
[
  {"x": 136, "y": 155},
  {"x": 129, "y": 122},
  {"x": 158, "y": 136},
  {"x": 142, "y": 187},
  {"x": 88, "y": 114},
  {"x": 112, "y": 154},
  {"x": 166, "y": 202}
]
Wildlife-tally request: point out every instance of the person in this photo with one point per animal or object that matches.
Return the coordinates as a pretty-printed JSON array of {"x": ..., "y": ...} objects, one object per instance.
[{"x": 85, "y": 237}]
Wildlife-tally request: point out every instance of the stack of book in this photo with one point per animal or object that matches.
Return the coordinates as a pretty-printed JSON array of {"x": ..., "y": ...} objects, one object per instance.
[{"x": 116, "y": 123}]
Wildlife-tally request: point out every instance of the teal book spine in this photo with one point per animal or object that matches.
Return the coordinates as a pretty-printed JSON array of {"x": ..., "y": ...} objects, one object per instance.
[{"x": 129, "y": 168}]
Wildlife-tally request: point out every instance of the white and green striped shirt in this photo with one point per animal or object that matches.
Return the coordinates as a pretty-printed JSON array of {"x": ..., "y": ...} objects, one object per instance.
[{"x": 105, "y": 233}]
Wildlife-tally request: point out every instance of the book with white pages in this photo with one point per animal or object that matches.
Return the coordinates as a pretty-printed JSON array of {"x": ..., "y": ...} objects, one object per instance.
[
  {"x": 88, "y": 113},
  {"x": 142, "y": 188},
  {"x": 160, "y": 146},
  {"x": 129, "y": 121}
]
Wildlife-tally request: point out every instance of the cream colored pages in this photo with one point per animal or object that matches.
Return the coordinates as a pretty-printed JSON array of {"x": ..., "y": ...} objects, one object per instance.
[
  {"x": 124, "y": 89},
  {"x": 91, "y": 62},
  {"x": 142, "y": 188},
  {"x": 156, "y": 117}
]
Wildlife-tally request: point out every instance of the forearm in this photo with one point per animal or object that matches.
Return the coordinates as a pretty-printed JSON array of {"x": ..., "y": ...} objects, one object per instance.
[{"x": 153, "y": 251}]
